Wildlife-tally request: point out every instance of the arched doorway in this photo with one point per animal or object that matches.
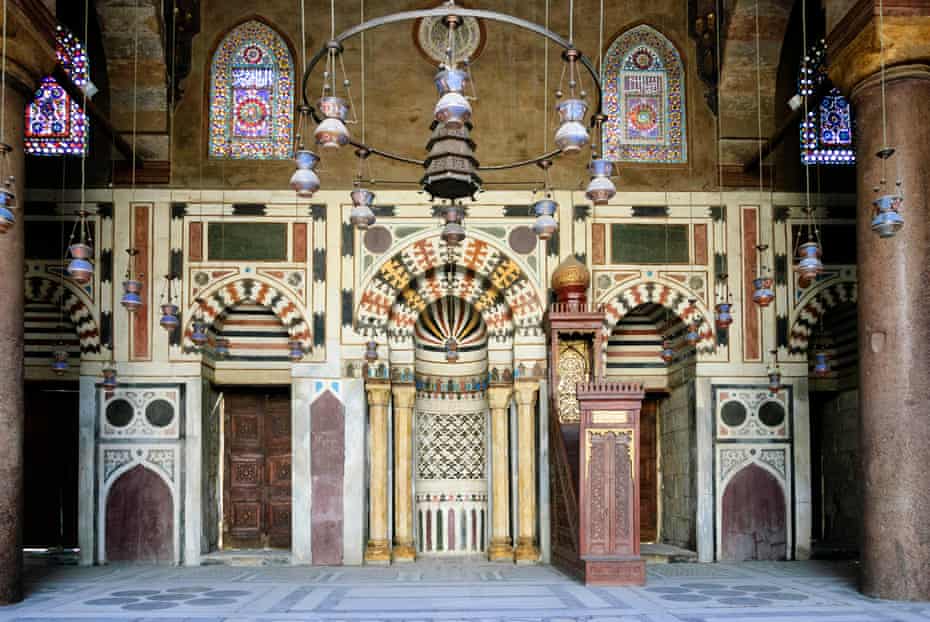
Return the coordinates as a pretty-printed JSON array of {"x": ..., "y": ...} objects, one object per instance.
[
  {"x": 634, "y": 353},
  {"x": 753, "y": 517},
  {"x": 139, "y": 518},
  {"x": 450, "y": 429}
]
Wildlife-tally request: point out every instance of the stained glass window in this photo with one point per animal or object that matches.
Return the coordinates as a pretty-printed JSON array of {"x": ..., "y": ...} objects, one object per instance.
[
  {"x": 252, "y": 95},
  {"x": 644, "y": 85},
  {"x": 827, "y": 132},
  {"x": 55, "y": 123}
]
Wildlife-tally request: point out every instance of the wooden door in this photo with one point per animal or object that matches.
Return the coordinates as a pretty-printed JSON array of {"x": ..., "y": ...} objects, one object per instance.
[
  {"x": 648, "y": 472},
  {"x": 50, "y": 465},
  {"x": 140, "y": 518},
  {"x": 754, "y": 521},
  {"x": 257, "y": 481}
]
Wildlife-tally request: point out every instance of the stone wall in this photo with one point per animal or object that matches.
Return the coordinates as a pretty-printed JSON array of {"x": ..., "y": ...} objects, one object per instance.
[
  {"x": 678, "y": 464},
  {"x": 838, "y": 422}
]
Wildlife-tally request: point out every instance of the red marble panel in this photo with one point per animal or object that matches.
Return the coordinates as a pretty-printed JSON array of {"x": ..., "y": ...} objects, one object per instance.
[
  {"x": 140, "y": 518},
  {"x": 753, "y": 517},
  {"x": 327, "y": 460},
  {"x": 140, "y": 320},
  {"x": 300, "y": 242},
  {"x": 700, "y": 245},
  {"x": 195, "y": 245},
  {"x": 598, "y": 244},
  {"x": 752, "y": 346}
]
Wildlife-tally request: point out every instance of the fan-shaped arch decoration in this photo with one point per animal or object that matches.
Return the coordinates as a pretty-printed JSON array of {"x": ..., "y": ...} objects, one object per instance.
[
  {"x": 644, "y": 99},
  {"x": 451, "y": 318},
  {"x": 45, "y": 290},
  {"x": 55, "y": 123},
  {"x": 252, "y": 95},
  {"x": 812, "y": 307},
  {"x": 406, "y": 283},
  {"x": 678, "y": 301},
  {"x": 234, "y": 293}
]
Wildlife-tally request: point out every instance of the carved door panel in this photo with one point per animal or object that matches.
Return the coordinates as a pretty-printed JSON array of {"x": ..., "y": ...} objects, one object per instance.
[
  {"x": 257, "y": 482},
  {"x": 609, "y": 510},
  {"x": 648, "y": 472},
  {"x": 278, "y": 470}
]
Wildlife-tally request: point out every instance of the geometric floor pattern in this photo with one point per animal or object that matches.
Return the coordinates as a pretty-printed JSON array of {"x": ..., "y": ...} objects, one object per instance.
[{"x": 448, "y": 591}]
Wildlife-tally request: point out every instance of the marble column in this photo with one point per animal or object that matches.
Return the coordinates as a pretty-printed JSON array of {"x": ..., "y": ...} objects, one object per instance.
[
  {"x": 378, "y": 550},
  {"x": 894, "y": 335},
  {"x": 11, "y": 367},
  {"x": 526, "y": 392},
  {"x": 404, "y": 400},
  {"x": 501, "y": 546}
]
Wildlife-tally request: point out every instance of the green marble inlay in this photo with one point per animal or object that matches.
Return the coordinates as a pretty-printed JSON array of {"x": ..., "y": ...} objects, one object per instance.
[
  {"x": 247, "y": 241},
  {"x": 403, "y": 232},
  {"x": 499, "y": 233},
  {"x": 639, "y": 243}
]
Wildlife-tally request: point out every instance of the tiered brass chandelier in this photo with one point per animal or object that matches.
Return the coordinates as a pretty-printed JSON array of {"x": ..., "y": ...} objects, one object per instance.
[{"x": 451, "y": 169}]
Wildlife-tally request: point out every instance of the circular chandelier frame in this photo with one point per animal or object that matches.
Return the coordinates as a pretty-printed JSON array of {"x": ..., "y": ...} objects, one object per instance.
[{"x": 442, "y": 12}]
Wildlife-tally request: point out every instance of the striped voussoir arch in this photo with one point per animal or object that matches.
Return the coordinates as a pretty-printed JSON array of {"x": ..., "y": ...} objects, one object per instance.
[
  {"x": 676, "y": 300},
  {"x": 38, "y": 289},
  {"x": 407, "y": 282},
  {"x": 243, "y": 291},
  {"x": 812, "y": 307}
]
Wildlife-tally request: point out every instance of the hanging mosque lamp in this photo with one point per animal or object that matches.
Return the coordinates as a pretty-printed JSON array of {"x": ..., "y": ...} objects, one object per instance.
[
  {"x": 451, "y": 170},
  {"x": 199, "y": 335},
  {"x": 295, "y": 350},
  {"x": 774, "y": 374},
  {"x": 886, "y": 216},
  {"x": 304, "y": 181},
  {"x": 79, "y": 267},
  {"x": 723, "y": 310},
  {"x": 810, "y": 264},
  {"x": 668, "y": 352},
  {"x": 7, "y": 195},
  {"x": 169, "y": 310},
  {"x": 693, "y": 335},
  {"x": 762, "y": 287},
  {"x": 132, "y": 286},
  {"x": 362, "y": 215},
  {"x": 60, "y": 360}
]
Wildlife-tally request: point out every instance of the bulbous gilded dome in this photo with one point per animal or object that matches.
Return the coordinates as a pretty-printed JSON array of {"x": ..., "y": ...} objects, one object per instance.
[{"x": 571, "y": 273}]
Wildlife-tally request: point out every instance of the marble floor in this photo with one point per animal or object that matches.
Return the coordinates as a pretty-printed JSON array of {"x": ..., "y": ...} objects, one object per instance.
[{"x": 449, "y": 591}]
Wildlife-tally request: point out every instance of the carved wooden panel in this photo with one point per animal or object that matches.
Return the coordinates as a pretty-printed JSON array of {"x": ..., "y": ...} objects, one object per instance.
[
  {"x": 611, "y": 504},
  {"x": 754, "y": 518},
  {"x": 327, "y": 463},
  {"x": 139, "y": 518},
  {"x": 257, "y": 486}
]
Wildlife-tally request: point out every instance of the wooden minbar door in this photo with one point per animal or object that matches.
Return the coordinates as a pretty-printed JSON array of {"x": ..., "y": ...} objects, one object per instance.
[
  {"x": 257, "y": 480},
  {"x": 608, "y": 499}
]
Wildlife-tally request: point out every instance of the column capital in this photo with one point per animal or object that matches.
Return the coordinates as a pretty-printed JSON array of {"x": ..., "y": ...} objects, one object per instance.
[
  {"x": 405, "y": 395},
  {"x": 916, "y": 71},
  {"x": 379, "y": 392},
  {"x": 526, "y": 391},
  {"x": 499, "y": 396},
  {"x": 854, "y": 41}
]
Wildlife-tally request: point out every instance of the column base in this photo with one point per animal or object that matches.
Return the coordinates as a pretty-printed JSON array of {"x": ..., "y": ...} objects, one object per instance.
[
  {"x": 500, "y": 550},
  {"x": 378, "y": 552},
  {"x": 404, "y": 553},
  {"x": 526, "y": 552}
]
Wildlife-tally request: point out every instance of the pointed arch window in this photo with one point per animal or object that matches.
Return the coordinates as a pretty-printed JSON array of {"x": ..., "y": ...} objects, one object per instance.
[
  {"x": 55, "y": 123},
  {"x": 252, "y": 95},
  {"x": 644, "y": 99},
  {"x": 827, "y": 132}
]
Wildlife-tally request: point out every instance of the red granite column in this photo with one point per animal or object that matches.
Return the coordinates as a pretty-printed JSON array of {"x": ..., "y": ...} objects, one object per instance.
[
  {"x": 11, "y": 370},
  {"x": 894, "y": 341}
]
